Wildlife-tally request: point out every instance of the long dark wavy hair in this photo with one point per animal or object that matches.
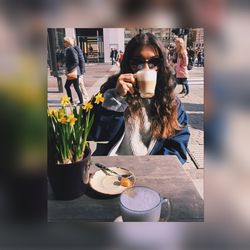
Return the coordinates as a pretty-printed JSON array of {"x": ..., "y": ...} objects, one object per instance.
[{"x": 163, "y": 106}]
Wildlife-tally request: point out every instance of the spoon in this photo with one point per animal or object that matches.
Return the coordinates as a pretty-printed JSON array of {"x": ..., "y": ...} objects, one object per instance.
[{"x": 109, "y": 171}]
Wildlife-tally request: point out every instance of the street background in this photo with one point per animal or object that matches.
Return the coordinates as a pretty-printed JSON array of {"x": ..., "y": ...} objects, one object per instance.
[{"x": 97, "y": 73}]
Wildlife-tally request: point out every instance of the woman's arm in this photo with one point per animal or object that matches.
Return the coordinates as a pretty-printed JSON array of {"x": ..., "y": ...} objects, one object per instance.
[
  {"x": 113, "y": 101},
  {"x": 106, "y": 124}
]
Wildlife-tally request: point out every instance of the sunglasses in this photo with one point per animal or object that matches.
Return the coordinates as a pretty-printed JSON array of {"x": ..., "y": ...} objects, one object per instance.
[{"x": 138, "y": 63}]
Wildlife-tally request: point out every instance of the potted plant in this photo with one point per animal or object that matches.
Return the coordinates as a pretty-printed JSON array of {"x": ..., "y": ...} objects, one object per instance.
[{"x": 68, "y": 148}]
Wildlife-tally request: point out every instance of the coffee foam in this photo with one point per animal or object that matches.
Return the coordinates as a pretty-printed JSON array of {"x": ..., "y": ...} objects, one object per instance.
[
  {"x": 140, "y": 199},
  {"x": 146, "y": 75}
]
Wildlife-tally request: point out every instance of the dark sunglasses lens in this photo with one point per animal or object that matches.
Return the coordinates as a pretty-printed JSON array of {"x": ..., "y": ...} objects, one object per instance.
[
  {"x": 136, "y": 62},
  {"x": 154, "y": 62}
]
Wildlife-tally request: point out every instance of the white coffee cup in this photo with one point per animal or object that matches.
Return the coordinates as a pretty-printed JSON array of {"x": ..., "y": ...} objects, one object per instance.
[
  {"x": 146, "y": 79},
  {"x": 140, "y": 203}
]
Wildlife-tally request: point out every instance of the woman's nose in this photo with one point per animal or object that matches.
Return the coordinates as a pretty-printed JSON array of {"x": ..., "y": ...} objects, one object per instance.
[{"x": 146, "y": 66}]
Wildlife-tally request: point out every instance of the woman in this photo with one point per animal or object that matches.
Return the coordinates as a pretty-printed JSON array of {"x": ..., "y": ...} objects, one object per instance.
[
  {"x": 72, "y": 62},
  {"x": 141, "y": 126},
  {"x": 181, "y": 65}
]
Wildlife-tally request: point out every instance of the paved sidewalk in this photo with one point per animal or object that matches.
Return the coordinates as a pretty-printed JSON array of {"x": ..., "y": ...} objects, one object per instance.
[
  {"x": 194, "y": 105},
  {"x": 97, "y": 74}
]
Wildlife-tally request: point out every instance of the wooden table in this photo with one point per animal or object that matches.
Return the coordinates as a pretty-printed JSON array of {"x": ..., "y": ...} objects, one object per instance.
[{"x": 161, "y": 173}]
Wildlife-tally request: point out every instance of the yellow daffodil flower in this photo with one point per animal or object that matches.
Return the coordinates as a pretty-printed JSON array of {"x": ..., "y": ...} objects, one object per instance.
[
  {"x": 52, "y": 112},
  {"x": 71, "y": 119},
  {"x": 62, "y": 120},
  {"x": 87, "y": 106},
  {"x": 61, "y": 112},
  {"x": 65, "y": 100},
  {"x": 99, "y": 98}
]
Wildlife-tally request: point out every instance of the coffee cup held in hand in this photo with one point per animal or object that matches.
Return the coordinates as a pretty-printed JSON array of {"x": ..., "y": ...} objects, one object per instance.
[{"x": 146, "y": 80}]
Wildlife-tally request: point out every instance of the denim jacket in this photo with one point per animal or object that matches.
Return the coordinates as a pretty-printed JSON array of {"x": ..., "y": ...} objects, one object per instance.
[{"x": 109, "y": 127}]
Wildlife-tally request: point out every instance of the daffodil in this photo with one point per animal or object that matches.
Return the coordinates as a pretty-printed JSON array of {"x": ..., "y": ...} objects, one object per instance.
[
  {"x": 71, "y": 119},
  {"x": 52, "y": 112},
  {"x": 61, "y": 113},
  {"x": 88, "y": 106},
  {"x": 99, "y": 98},
  {"x": 65, "y": 100},
  {"x": 62, "y": 120},
  {"x": 69, "y": 128}
]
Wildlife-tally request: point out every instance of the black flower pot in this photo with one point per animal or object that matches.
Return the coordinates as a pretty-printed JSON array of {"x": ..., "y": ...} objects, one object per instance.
[{"x": 69, "y": 181}]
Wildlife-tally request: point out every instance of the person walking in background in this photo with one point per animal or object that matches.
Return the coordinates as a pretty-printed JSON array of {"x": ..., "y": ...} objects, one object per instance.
[
  {"x": 90, "y": 49},
  {"x": 121, "y": 56},
  {"x": 171, "y": 58},
  {"x": 82, "y": 71},
  {"x": 117, "y": 58},
  {"x": 112, "y": 56},
  {"x": 116, "y": 55},
  {"x": 199, "y": 57},
  {"x": 72, "y": 69},
  {"x": 191, "y": 56},
  {"x": 136, "y": 125},
  {"x": 181, "y": 65}
]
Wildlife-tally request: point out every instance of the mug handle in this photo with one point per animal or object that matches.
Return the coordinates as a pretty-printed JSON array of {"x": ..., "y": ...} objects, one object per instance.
[{"x": 165, "y": 202}]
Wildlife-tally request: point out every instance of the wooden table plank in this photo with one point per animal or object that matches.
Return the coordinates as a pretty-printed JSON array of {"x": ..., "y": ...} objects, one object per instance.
[{"x": 162, "y": 173}]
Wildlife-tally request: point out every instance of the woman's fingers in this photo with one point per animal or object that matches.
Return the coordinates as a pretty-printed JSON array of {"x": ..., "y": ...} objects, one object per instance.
[
  {"x": 129, "y": 87},
  {"x": 127, "y": 78},
  {"x": 125, "y": 84},
  {"x": 124, "y": 87}
]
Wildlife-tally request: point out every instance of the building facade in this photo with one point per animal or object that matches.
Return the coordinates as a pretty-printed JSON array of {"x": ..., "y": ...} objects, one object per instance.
[
  {"x": 96, "y": 43},
  {"x": 164, "y": 34},
  {"x": 198, "y": 38},
  {"x": 113, "y": 38}
]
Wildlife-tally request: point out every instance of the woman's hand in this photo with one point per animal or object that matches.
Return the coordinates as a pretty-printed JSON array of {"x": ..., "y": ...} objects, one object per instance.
[{"x": 125, "y": 84}]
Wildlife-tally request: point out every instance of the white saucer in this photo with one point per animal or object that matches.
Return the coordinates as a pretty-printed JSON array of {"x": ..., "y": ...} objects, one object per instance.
[
  {"x": 109, "y": 184},
  {"x": 118, "y": 219}
]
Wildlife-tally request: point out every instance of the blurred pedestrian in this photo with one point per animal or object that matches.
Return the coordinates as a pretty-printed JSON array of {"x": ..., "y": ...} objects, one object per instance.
[
  {"x": 191, "y": 54},
  {"x": 181, "y": 65},
  {"x": 90, "y": 49},
  {"x": 112, "y": 56},
  {"x": 72, "y": 69},
  {"x": 121, "y": 56},
  {"x": 137, "y": 125},
  {"x": 191, "y": 58},
  {"x": 199, "y": 56},
  {"x": 116, "y": 55},
  {"x": 171, "y": 58},
  {"x": 82, "y": 71},
  {"x": 173, "y": 54}
]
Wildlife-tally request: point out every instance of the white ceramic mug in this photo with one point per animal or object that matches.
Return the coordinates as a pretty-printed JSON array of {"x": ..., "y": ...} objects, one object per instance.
[
  {"x": 143, "y": 204},
  {"x": 146, "y": 80}
]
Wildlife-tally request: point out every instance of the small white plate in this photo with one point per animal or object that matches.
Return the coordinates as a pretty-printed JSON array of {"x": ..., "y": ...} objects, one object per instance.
[{"x": 109, "y": 184}]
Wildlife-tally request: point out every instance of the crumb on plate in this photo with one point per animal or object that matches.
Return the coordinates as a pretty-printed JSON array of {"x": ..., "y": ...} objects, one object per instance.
[{"x": 125, "y": 182}]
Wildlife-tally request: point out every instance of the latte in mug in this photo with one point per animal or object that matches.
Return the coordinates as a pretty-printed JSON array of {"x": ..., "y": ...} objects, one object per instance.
[
  {"x": 142, "y": 204},
  {"x": 146, "y": 80}
]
